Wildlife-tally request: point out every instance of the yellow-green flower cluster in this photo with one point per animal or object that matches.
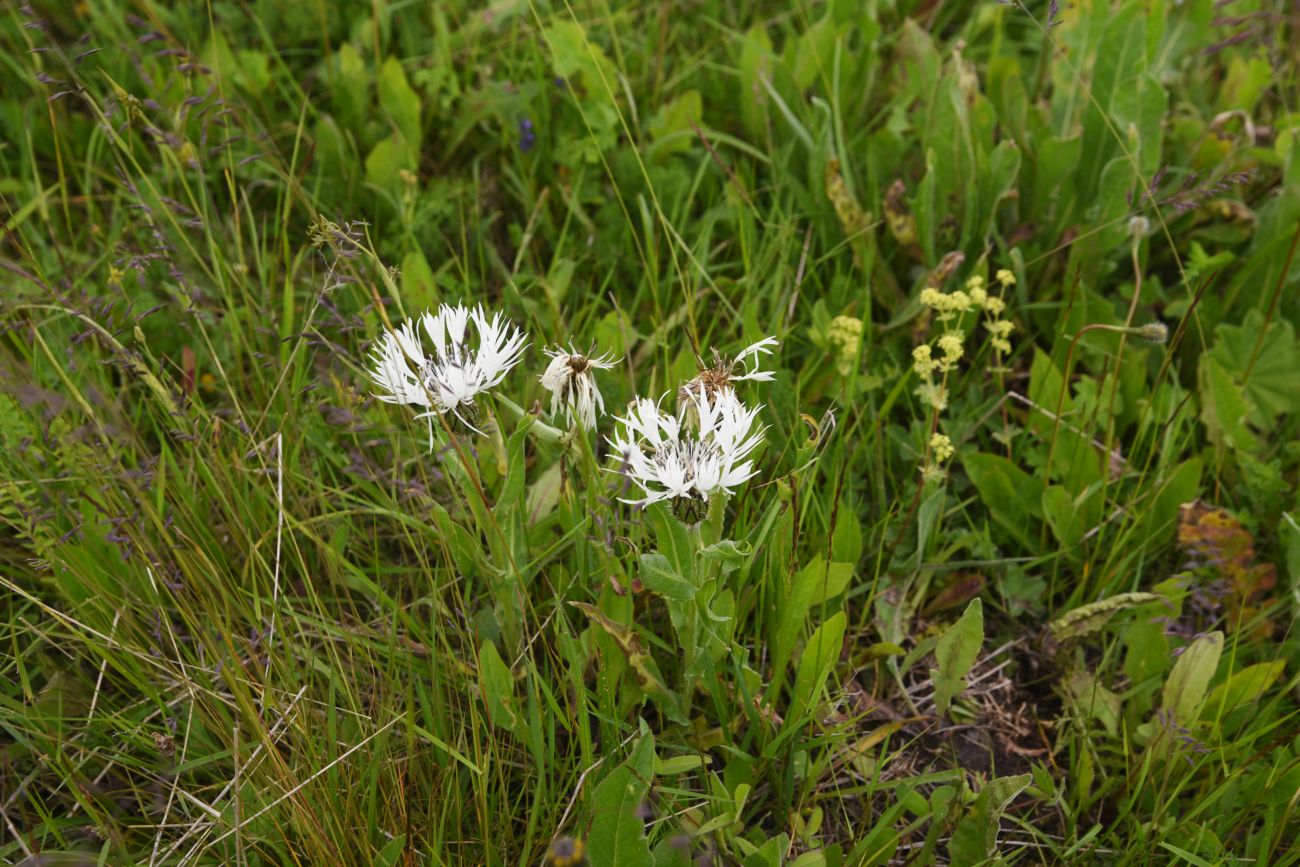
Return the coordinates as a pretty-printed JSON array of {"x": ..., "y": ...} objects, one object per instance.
[
  {"x": 845, "y": 335},
  {"x": 946, "y": 304},
  {"x": 999, "y": 329},
  {"x": 942, "y": 357},
  {"x": 941, "y": 447}
]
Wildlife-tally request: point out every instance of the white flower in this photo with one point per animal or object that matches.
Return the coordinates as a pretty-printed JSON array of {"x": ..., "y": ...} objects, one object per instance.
[
  {"x": 723, "y": 373},
  {"x": 668, "y": 463},
  {"x": 572, "y": 385},
  {"x": 457, "y": 370}
]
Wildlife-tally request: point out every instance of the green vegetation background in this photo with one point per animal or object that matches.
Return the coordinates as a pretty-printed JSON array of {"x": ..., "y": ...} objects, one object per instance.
[{"x": 249, "y": 619}]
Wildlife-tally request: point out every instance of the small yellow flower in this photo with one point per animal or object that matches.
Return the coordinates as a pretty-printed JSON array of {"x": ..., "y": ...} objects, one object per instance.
[
  {"x": 1005, "y": 277},
  {"x": 845, "y": 333},
  {"x": 942, "y": 447},
  {"x": 978, "y": 295},
  {"x": 931, "y": 297},
  {"x": 995, "y": 305},
  {"x": 950, "y": 345},
  {"x": 922, "y": 360}
]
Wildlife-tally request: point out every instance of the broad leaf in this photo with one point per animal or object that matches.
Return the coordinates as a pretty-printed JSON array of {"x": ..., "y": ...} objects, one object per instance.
[
  {"x": 956, "y": 652},
  {"x": 976, "y": 836},
  {"x": 498, "y": 686},
  {"x": 815, "y": 665},
  {"x": 617, "y": 835},
  {"x": 1185, "y": 689}
]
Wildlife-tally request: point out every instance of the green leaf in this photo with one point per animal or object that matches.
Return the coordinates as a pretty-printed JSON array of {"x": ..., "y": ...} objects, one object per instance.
[
  {"x": 498, "y": 686},
  {"x": 1063, "y": 516},
  {"x": 1089, "y": 618},
  {"x": 1273, "y": 388},
  {"x": 956, "y": 652},
  {"x": 658, "y": 575},
  {"x": 673, "y": 128},
  {"x": 1013, "y": 497},
  {"x": 643, "y": 665},
  {"x": 810, "y": 55},
  {"x": 1181, "y": 485},
  {"x": 574, "y": 56},
  {"x": 350, "y": 90},
  {"x": 1185, "y": 689},
  {"x": 732, "y": 555},
  {"x": 1146, "y": 652},
  {"x": 391, "y": 854},
  {"x": 811, "y": 585},
  {"x": 815, "y": 664},
  {"x": 402, "y": 105},
  {"x": 418, "y": 287},
  {"x": 1224, "y": 409},
  {"x": 976, "y": 837},
  {"x": 846, "y": 538},
  {"x": 755, "y": 67},
  {"x": 512, "y": 491},
  {"x": 1245, "y": 687},
  {"x": 1090, "y": 699},
  {"x": 674, "y": 541},
  {"x": 617, "y": 835},
  {"x": 386, "y": 160}
]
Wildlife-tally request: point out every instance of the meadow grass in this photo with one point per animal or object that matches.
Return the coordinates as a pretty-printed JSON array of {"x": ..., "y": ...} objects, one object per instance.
[{"x": 1016, "y": 577}]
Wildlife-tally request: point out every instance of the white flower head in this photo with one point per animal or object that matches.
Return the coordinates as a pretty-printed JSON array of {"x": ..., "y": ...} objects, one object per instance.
[
  {"x": 687, "y": 467},
  {"x": 454, "y": 370},
  {"x": 571, "y": 381},
  {"x": 726, "y": 371}
]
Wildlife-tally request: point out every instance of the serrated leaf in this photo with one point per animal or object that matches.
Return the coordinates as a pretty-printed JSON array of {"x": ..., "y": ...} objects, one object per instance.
[
  {"x": 673, "y": 127},
  {"x": 1089, "y": 618},
  {"x": 1224, "y": 408},
  {"x": 956, "y": 652},
  {"x": 1185, "y": 689}
]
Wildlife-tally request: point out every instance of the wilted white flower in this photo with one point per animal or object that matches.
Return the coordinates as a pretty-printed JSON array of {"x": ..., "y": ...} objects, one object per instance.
[
  {"x": 724, "y": 372},
  {"x": 457, "y": 370},
  {"x": 686, "y": 468},
  {"x": 572, "y": 385}
]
